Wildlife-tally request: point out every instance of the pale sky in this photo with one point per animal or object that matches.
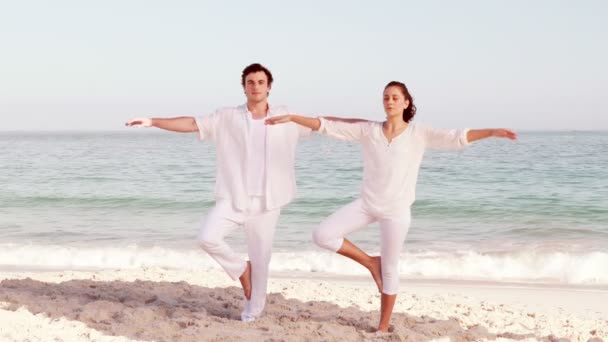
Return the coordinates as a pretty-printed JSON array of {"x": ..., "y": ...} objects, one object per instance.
[{"x": 91, "y": 65}]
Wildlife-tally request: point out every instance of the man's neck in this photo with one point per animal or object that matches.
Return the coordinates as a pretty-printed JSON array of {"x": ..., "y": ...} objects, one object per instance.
[{"x": 258, "y": 109}]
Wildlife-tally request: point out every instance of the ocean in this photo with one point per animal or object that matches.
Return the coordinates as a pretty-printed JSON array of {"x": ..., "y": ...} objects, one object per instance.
[{"x": 533, "y": 211}]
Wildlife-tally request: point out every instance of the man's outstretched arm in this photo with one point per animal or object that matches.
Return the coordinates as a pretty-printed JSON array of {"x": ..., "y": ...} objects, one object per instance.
[{"x": 182, "y": 124}]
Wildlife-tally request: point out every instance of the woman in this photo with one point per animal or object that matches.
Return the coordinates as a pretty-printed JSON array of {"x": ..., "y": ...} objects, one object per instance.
[{"x": 392, "y": 153}]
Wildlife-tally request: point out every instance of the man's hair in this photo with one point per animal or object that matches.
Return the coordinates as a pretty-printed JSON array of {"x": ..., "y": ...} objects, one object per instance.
[{"x": 256, "y": 67}]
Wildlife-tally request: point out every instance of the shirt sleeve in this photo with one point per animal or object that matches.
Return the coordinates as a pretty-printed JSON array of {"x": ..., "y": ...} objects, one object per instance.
[
  {"x": 304, "y": 132},
  {"x": 445, "y": 139},
  {"x": 343, "y": 130},
  {"x": 207, "y": 125}
]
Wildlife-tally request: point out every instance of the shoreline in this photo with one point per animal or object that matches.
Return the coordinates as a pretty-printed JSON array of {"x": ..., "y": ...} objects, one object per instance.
[{"x": 404, "y": 281}]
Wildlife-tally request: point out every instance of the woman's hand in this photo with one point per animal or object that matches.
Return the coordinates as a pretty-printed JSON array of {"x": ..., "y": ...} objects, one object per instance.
[
  {"x": 279, "y": 119},
  {"x": 139, "y": 122},
  {"x": 504, "y": 133}
]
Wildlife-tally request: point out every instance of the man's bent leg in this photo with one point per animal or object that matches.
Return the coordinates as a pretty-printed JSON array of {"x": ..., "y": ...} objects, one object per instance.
[{"x": 218, "y": 223}]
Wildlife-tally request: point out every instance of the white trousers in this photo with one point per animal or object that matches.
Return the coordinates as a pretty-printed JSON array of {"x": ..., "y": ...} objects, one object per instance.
[
  {"x": 259, "y": 225},
  {"x": 352, "y": 217}
]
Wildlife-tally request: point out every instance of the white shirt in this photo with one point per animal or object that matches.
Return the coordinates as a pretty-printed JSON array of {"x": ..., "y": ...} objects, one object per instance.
[
  {"x": 390, "y": 170},
  {"x": 256, "y": 159},
  {"x": 228, "y": 128}
]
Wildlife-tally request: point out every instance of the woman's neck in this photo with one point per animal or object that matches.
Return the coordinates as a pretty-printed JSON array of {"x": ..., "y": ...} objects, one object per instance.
[{"x": 394, "y": 123}]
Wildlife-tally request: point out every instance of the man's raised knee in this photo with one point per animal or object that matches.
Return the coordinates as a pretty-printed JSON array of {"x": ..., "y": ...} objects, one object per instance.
[{"x": 208, "y": 243}]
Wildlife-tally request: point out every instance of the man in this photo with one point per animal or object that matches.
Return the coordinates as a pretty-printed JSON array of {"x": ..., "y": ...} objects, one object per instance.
[{"x": 255, "y": 179}]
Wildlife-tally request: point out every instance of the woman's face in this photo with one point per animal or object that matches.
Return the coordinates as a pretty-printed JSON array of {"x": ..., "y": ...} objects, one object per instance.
[{"x": 394, "y": 102}]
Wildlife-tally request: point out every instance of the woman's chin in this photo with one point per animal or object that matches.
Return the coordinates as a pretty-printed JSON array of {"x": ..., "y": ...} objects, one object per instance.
[{"x": 392, "y": 114}]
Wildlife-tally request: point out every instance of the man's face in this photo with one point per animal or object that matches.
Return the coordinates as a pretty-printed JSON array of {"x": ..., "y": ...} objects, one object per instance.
[{"x": 256, "y": 87}]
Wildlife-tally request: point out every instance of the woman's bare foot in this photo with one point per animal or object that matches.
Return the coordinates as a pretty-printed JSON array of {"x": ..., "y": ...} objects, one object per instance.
[
  {"x": 376, "y": 270},
  {"x": 245, "y": 279},
  {"x": 383, "y": 329},
  {"x": 371, "y": 263}
]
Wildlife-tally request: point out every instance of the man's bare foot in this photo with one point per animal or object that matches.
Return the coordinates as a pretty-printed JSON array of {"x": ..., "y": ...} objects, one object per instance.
[
  {"x": 245, "y": 279},
  {"x": 376, "y": 270}
]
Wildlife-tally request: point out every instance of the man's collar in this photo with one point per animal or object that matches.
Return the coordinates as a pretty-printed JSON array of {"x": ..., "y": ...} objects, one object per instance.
[{"x": 243, "y": 108}]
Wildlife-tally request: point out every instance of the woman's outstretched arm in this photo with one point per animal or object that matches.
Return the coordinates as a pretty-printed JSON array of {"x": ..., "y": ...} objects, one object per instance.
[
  {"x": 340, "y": 128},
  {"x": 478, "y": 134},
  {"x": 457, "y": 139},
  {"x": 306, "y": 121}
]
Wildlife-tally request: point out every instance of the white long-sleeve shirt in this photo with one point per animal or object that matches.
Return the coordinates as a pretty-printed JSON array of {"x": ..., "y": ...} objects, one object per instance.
[
  {"x": 390, "y": 170},
  {"x": 256, "y": 161},
  {"x": 229, "y": 128}
]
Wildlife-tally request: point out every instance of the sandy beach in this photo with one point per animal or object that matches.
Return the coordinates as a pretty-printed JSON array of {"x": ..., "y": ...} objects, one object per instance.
[{"x": 153, "y": 304}]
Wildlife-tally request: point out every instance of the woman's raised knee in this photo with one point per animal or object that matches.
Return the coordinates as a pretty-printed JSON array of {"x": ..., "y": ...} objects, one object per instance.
[{"x": 322, "y": 238}]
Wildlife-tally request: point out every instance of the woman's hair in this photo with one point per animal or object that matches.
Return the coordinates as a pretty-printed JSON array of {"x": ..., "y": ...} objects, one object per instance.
[{"x": 410, "y": 111}]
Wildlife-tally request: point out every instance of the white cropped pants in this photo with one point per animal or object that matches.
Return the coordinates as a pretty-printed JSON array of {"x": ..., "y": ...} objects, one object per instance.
[{"x": 352, "y": 217}]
